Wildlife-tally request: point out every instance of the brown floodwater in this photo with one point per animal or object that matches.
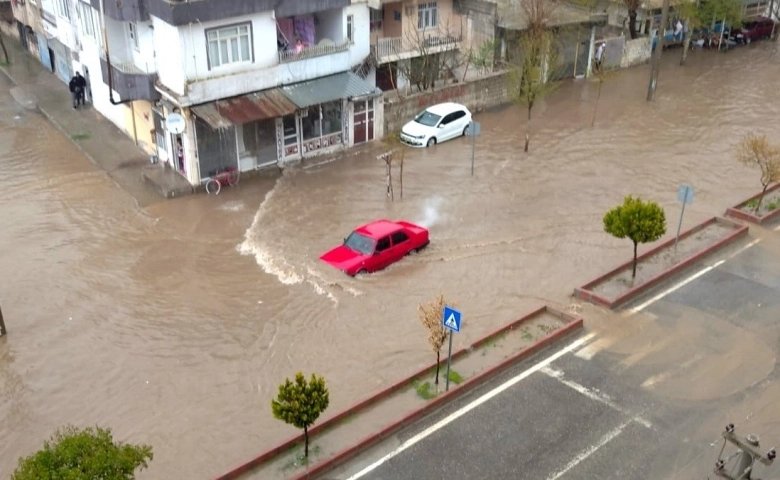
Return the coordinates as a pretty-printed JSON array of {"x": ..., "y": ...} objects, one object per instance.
[{"x": 173, "y": 324}]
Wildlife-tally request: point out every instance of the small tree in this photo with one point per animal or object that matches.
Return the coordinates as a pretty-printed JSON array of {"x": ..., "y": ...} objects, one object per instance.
[
  {"x": 394, "y": 155},
  {"x": 430, "y": 315},
  {"x": 533, "y": 60},
  {"x": 88, "y": 453},
  {"x": 641, "y": 222},
  {"x": 300, "y": 403},
  {"x": 756, "y": 151},
  {"x": 632, "y": 6}
]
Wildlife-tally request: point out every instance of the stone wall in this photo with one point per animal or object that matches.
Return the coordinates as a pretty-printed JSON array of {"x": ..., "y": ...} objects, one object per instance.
[
  {"x": 636, "y": 52},
  {"x": 478, "y": 95}
]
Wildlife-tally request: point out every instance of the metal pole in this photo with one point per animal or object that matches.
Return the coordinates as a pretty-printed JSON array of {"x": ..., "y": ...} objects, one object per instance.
[
  {"x": 589, "y": 67},
  {"x": 3, "y": 331},
  {"x": 659, "y": 46},
  {"x": 679, "y": 225},
  {"x": 449, "y": 360},
  {"x": 473, "y": 147}
]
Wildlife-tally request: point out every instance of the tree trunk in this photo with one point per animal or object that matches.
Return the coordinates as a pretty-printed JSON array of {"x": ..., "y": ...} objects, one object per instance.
[
  {"x": 438, "y": 360},
  {"x": 2, "y": 323},
  {"x": 633, "y": 268},
  {"x": 5, "y": 52},
  {"x": 686, "y": 42},
  {"x": 306, "y": 442},
  {"x": 761, "y": 198},
  {"x": 596, "y": 106},
  {"x": 632, "y": 24},
  {"x": 401, "y": 176},
  {"x": 528, "y": 128}
]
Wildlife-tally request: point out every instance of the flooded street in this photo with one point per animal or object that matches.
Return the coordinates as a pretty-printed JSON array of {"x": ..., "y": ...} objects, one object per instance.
[{"x": 174, "y": 324}]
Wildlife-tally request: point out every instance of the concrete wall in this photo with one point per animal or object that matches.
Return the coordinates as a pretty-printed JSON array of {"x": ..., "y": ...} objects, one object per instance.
[
  {"x": 636, "y": 52},
  {"x": 487, "y": 92}
]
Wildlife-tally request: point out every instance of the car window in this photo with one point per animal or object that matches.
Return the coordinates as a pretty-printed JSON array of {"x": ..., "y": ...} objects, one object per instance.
[
  {"x": 359, "y": 243},
  {"x": 447, "y": 119},
  {"x": 399, "y": 237},
  {"x": 457, "y": 115},
  {"x": 383, "y": 244},
  {"x": 427, "y": 118}
]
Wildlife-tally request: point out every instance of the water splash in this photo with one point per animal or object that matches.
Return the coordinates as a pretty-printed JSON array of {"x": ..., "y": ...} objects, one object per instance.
[{"x": 430, "y": 215}]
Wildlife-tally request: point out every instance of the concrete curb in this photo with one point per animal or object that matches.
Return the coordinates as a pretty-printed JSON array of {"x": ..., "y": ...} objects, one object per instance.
[
  {"x": 735, "y": 211},
  {"x": 574, "y": 323},
  {"x": 585, "y": 292}
]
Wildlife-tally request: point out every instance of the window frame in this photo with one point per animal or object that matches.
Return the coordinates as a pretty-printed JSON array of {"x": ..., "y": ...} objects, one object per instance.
[
  {"x": 427, "y": 15},
  {"x": 86, "y": 19},
  {"x": 350, "y": 28},
  {"x": 397, "y": 233},
  {"x": 376, "y": 20},
  {"x": 132, "y": 35},
  {"x": 63, "y": 9},
  {"x": 250, "y": 32},
  {"x": 379, "y": 242}
]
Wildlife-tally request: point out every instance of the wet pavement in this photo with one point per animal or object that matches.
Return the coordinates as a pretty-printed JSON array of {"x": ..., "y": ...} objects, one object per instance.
[
  {"x": 173, "y": 322},
  {"x": 632, "y": 405}
]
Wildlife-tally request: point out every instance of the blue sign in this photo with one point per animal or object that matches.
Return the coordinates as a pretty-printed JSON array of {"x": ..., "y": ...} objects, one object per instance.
[
  {"x": 450, "y": 318},
  {"x": 685, "y": 194}
]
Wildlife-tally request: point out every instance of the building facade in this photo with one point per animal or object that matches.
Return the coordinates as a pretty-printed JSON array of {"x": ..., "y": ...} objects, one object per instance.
[{"x": 259, "y": 82}]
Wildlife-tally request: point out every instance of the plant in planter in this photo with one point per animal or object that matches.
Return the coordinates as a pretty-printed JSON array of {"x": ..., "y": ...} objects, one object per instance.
[
  {"x": 637, "y": 220},
  {"x": 757, "y": 151}
]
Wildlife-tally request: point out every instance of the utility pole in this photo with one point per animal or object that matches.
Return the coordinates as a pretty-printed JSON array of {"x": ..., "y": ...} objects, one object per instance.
[
  {"x": 659, "y": 46},
  {"x": 747, "y": 455},
  {"x": 3, "y": 331}
]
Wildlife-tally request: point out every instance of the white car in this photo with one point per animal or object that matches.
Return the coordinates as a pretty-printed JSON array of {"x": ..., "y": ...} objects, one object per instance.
[{"x": 437, "y": 124}]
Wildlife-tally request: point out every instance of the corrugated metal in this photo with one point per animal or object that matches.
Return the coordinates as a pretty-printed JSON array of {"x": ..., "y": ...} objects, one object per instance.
[
  {"x": 246, "y": 108},
  {"x": 327, "y": 89}
]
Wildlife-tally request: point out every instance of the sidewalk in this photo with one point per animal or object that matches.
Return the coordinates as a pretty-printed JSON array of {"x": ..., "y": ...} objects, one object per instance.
[{"x": 97, "y": 138}]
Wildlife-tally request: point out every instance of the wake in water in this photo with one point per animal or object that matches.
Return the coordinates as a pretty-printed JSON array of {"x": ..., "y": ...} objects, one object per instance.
[
  {"x": 430, "y": 215},
  {"x": 274, "y": 263}
]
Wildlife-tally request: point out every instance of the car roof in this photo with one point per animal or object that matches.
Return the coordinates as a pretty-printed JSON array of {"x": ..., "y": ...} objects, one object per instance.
[
  {"x": 445, "y": 108},
  {"x": 378, "y": 229}
]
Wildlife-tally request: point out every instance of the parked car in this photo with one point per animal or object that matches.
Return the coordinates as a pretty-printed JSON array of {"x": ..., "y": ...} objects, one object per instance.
[
  {"x": 436, "y": 124},
  {"x": 376, "y": 245},
  {"x": 757, "y": 29}
]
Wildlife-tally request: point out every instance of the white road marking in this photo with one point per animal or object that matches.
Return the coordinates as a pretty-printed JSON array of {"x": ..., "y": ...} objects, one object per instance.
[
  {"x": 652, "y": 348},
  {"x": 688, "y": 280},
  {"x": 589, "y": 451},
  {"x": 777, "y": 228},
  {"x": 663, "y": 376},
  {"x": 594, "y": 395},
  {"x": 471, "y": 406},
  {"x": 589, "y": 351}
]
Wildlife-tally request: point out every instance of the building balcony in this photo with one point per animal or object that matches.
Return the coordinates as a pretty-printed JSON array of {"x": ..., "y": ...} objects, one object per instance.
[
  {"x": 124, "y": 10},
  {"x": 293, "y": 54},
  {"x": 184, "y": 12},
  {"x": 393, "y": 49},
  {"x": 129, "y": 81}
]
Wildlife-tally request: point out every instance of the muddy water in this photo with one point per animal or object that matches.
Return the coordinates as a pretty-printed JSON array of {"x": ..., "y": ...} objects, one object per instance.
[{"x": 174, "y": 324}]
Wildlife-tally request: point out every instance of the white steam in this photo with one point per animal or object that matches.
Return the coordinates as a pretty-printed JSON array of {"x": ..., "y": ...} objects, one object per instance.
[{"x": 430, "y": 215}]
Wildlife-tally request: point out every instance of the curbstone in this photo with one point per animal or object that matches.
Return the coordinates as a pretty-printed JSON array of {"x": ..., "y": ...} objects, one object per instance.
[
  {"x": 574, "y": 323},
  {"x": 585, "y": 293},
  {"x": 735, "y": 211}
]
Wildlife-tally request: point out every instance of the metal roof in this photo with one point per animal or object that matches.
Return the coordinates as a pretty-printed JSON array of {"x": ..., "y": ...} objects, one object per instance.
[
  {"x": 246, "y": 108},
  {"x": 326, "y": 89}
]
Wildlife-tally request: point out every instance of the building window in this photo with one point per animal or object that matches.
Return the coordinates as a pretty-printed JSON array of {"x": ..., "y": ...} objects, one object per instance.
[
  {"x": 63, "y": 8},
  {"x": 97, "y": 24},
  {"x": 427, "y": 15},
  {"x": 377, "y": 16},
  {"x": 132, "y": 34},
  {"x": 229, "y": 45},
  {"x": 351, "y": 28},
  {"x": 86, "y": 18},
  {"x": 322, "y": 126}
]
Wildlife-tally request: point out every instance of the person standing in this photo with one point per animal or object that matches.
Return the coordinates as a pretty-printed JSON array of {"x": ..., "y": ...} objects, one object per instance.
[
  {"x": 180, "y": 155},
  {"x": 77, "y": 86}
]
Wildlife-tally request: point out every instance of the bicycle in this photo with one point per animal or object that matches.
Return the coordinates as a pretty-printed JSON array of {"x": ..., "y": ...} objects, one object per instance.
[{"x": 218, "y": 178}]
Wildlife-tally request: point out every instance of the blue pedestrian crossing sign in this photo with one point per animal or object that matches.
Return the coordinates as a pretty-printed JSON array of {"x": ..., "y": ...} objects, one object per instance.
[{"x": 450, "y": 318}]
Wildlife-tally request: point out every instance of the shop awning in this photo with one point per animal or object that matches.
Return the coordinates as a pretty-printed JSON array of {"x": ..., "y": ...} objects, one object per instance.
[
  {"x": 246, "y": 108},
  {"x": 326, "y": 89}
]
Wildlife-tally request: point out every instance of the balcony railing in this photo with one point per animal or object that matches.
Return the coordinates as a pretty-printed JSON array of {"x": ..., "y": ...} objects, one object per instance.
[
  {"x": 312, "y": 51},
  {"x": 129, "y": 81},
  {"x": 395, "y": 46}
]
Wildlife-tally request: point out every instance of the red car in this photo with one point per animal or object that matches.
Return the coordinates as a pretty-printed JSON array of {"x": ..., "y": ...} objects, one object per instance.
[
  {"x": 757, "y": 29},
  {"x": 376, "y": 245}
]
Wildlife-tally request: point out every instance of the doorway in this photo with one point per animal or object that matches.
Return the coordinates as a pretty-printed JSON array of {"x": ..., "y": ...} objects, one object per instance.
[
  {"x": 363, "y": 124},
  {"x": 88, "y": 90}
]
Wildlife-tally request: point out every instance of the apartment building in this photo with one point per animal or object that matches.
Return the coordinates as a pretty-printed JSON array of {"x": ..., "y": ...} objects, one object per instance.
[
  {"x": 402, "y": 31},
  {"x": 258, "y": 82}
]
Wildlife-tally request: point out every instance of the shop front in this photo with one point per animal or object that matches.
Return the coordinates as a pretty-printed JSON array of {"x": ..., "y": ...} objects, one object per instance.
[{"x": 286, "y": 124}]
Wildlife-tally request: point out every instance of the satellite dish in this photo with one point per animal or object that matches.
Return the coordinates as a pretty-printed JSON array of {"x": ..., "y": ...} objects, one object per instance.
[{"x": 175, "y": 123}]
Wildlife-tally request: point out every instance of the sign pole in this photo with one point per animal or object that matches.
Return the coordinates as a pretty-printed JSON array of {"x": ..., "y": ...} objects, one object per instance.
[
  {"x": 449, "y": 360},
  {"x": 679, "y": 226},
  {"x": 3, "y": 331},
  {"x": 473, "y": 147},
  {"x": 685, "y": 196}
]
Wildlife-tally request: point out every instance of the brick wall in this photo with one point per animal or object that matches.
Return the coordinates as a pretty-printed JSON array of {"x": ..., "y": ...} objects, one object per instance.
[
  {"x": 478, "y": 95},
  {"x": 636, "y": 52}
]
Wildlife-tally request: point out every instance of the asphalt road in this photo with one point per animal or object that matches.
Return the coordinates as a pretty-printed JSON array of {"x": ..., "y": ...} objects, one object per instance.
[{"x": 644, "y": 396}]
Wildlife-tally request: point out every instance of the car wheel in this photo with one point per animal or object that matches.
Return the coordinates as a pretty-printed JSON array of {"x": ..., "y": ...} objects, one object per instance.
[
  {"x": 431, "y": 142},
  {"x": 465, "y": 130},
  {"x": 361, "y": 272}
]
